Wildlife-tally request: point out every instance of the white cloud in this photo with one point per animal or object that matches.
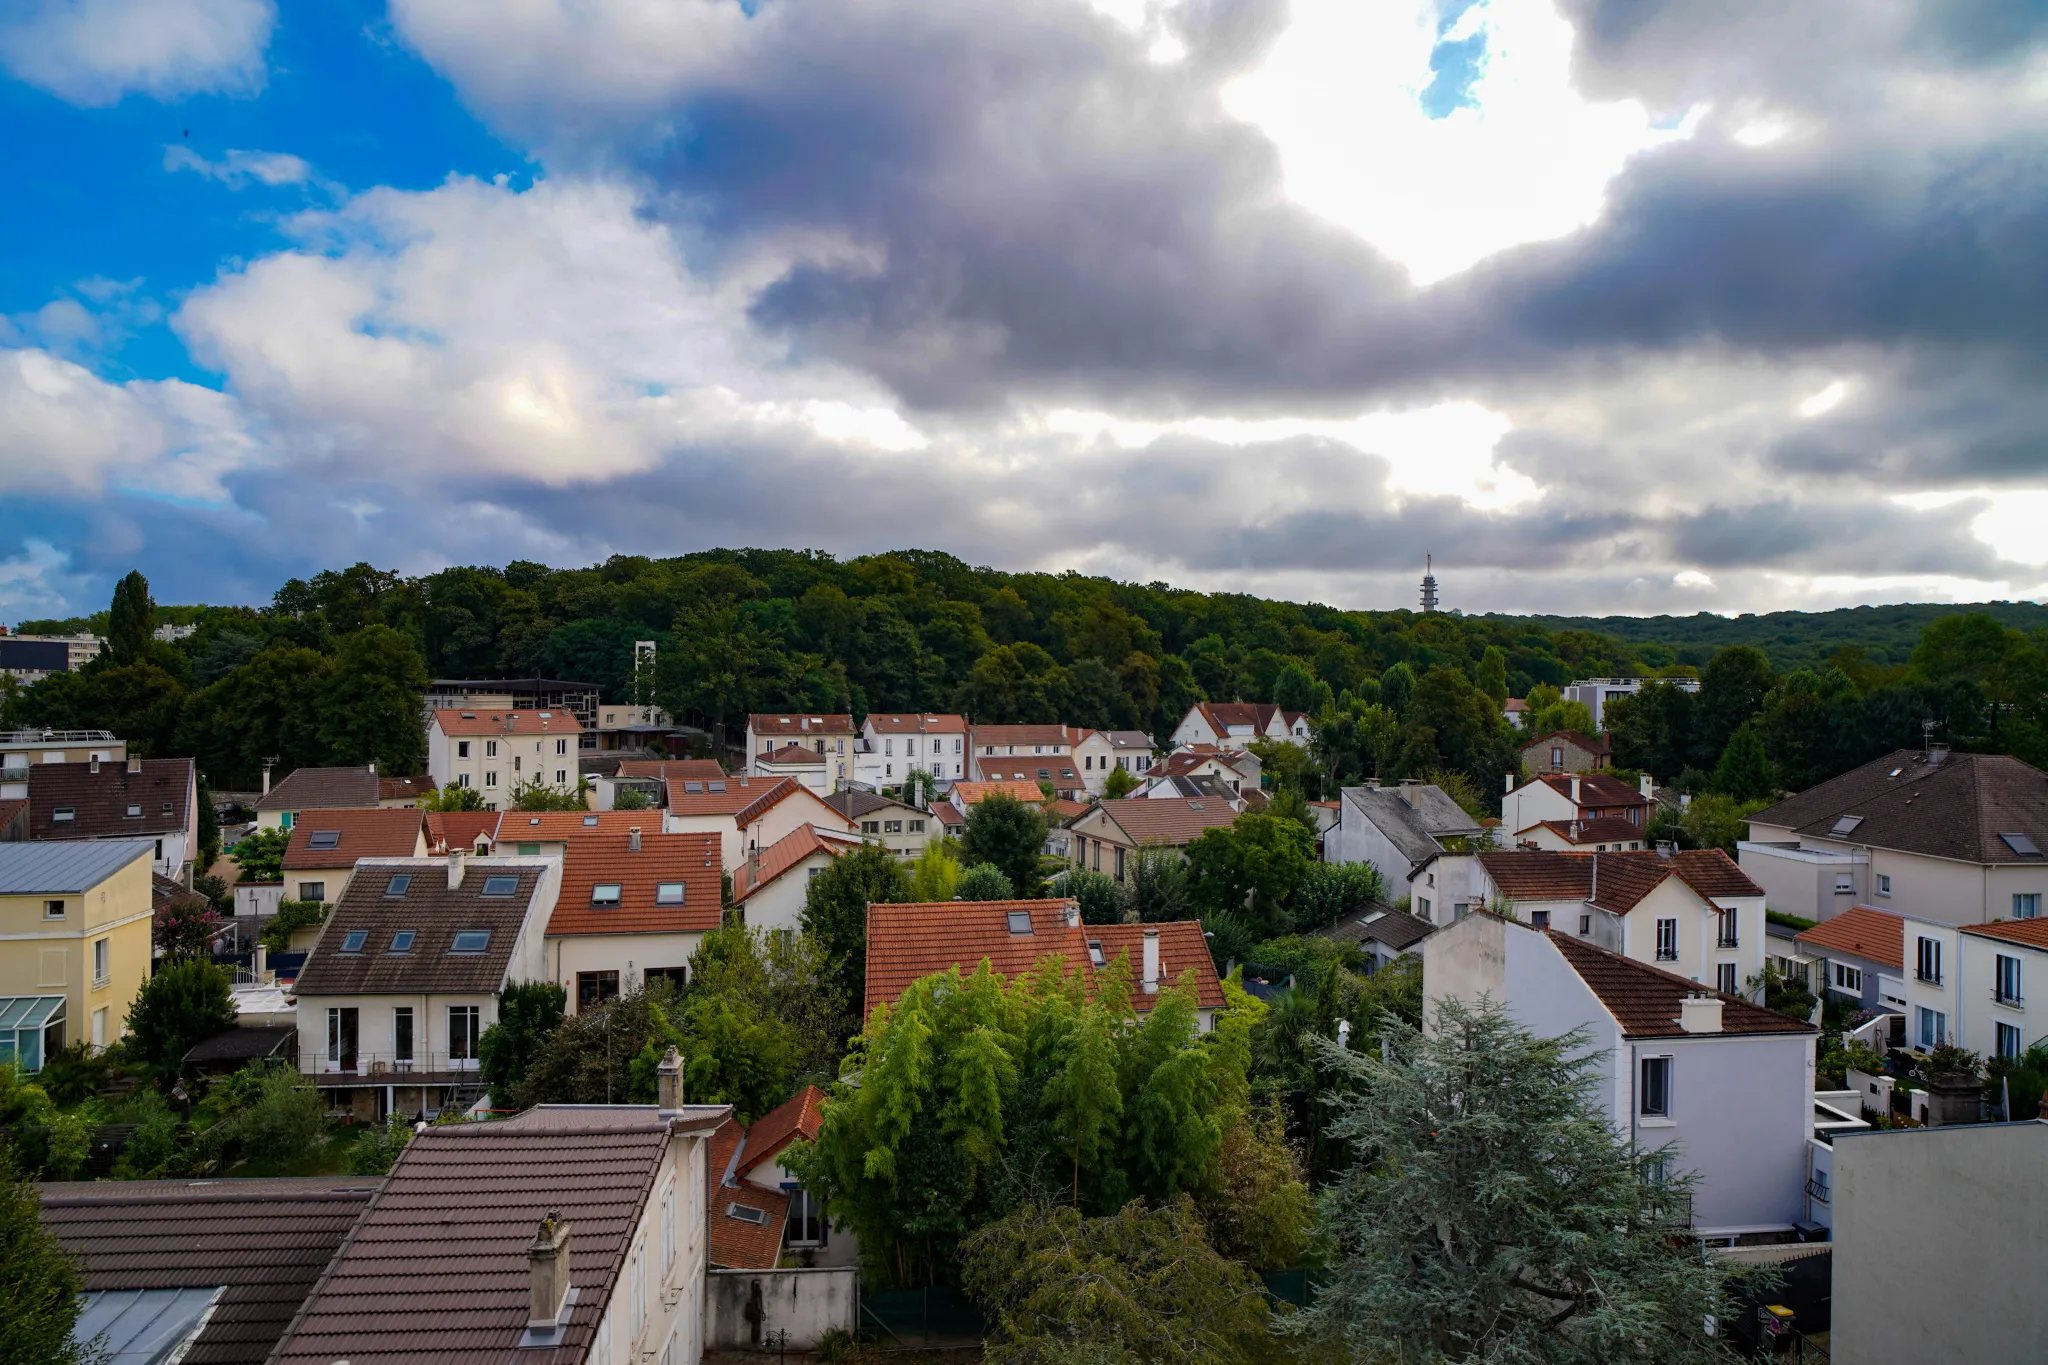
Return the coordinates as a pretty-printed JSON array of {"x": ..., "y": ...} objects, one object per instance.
[
  {"x": 2013, "y": 526},
  {"x": 1824, "y": 400},
  {"x": 238, "y": 168},
  {"x": 92, "y": 52},
  {"x": 38, "y": 581}
]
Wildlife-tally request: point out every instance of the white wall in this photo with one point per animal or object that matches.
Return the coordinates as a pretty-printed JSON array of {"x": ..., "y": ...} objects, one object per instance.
[
  {"x": 630, "y": 955},
  {"x": 673, "y": 1292},
  {"x": 804, "y": 1303}
]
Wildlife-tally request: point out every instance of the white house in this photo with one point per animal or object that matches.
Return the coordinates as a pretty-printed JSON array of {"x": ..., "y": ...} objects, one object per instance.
[
  {"x": 1234, "y": 724},
  {"x": 634, "y": 906},
  {"x": 769, "y": 889},
  {"x": 1101, "y": 752},
  {"x": 1017, "y": 741},
  {"x": 1567, "y": 798},
  {"x": 498, "y": 751},
  {"x": 749, "y": 814},
  {"x": 1420, "y": 842},
  {"x": 1997, "y": 964},
  {"x": 902, "y": 829},
  {"x": 831, "y": 735},
  {"x": 1237, "y": 769},
  {"x": 1727, "y": 1084},
  {"x": 799, "y": 763},
  {"x": 893, "y": 744},
  {"x": 766, "y": 1212},
  {"x": 1595, "y": 693}
]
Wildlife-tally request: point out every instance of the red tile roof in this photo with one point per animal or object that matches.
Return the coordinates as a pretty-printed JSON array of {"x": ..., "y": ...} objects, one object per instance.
[
  {"x": 1004, "y": 736},
  {"x": 742, "y": 1244},
  {"x": 2030, "y": 933},
  {"x": 673, "y": 769},
  {"x": 1623, "y": 879},
  {"x": 916, "y": 723},
  {"x": 1169, "y": 820},
  {"x": 501, "y": 722},
  {"x": 594, "y": 859},
  {"x": 796, "y": 1117},
  {"x": 1608, "y": 829},
  {"x": 1645, "y": 1001},
  {"x": 971, "y": 792},
  {"x": 738, "y": 794},
  {"x": 1595, "y": 789},
  {"x": 801, "y": 724},
  {"x": 553, "y": 826},
  {"x": 1864, "y": 931},
  {"x": 448, "y": 829},
  {"x": 785, "y": 855},
  {"x": 1059, "y": 769},
  {"x": 793, "y": 753},
  {"x": 367, "y": 832}
]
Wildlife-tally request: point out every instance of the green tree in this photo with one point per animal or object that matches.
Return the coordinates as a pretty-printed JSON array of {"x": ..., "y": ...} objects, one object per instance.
[
  {"x": 536, "y": 794},
  {"x": 1118, "y": 784},
  {"x": 605, "y": 1055},
  {"x": 1156, "y": 888},
  {"x": 41, "y": 1287},
  {"x": 984, "y": 882},
  {"x": 184, "y": 926},
  {"x": 452, "y": 797},
  {"x": 208, "y": 851},
  {"x": 1716, "y": 821},
  {"x": 183, "y": 1004},
  {"x": 631, "y": 798},
  {"x": 935, "y": 873},
  {"x": 836, "y": 910},
  {"x": 260, "y": 855},
  {"x": 1178, "y": 693},
  {"x": 1294, "y": 689},
  {"x": 1100, "y": 898},
  {"x": 1009, "y": 834},
  {"x": 528, "y": 1011},
  {"x": 1744, "y": 771},
  {"x": 131, "y": 621},
  {"x": 291, "y": 917},
  {"x": 370, "y": 702},
  {"x": 1251, "y": 866},
  {"x": 1329, "y": 891},
  {"x": 1733, "y": 686},
  {"x": 1493, "y": 1213},
  {"x": 1492, "y": 676},
  {"x": 271, "y": 1113}
]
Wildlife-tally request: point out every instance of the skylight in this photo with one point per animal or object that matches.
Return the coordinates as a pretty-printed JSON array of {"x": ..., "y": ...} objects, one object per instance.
[
  {"x": 2021, "y": 844},
  {"x": 606, "y": 894},
  {"x": 401, "y": 942},
  {"x": 1847, "y": 824},
  {"x": 1095, "y": 957},
  {"x": 324, "y": 838},
  {"x": 669, "y": 893},
  {"x": 588, "y": 821},
  {"x": 352, "y": 941},
  {"x": 500, "y": 886},
  {"x": 1196, "y": 805},
  {"x": 469, "y": 941},
  {"x": 714, "y": 786},
  {"x": 397, "y": 885},
  {"x": 1020, "y": 921},
  {"x": 693, "y": 788},
  {"x": 746, "y": 1213}
]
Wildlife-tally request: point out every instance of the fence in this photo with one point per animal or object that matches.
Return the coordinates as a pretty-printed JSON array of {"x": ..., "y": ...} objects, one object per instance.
[
  {"x": 748, "y": 1309},
  {"x": 937, "y": 1316}
]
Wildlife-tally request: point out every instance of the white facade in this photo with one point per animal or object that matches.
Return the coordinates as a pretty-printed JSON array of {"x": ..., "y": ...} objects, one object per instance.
[
  {"x": 832, "y": 736},
  {"x": 1595, "y": 693},
  {"x": 893, "y": 746},
  {"x": 632, "y": 956},
  {"x": 656, "y": 1312},
  {"x": 1994, "y": 977},
  {"x": 1816, "y": 878},
  {"x": 509, "y": 757},
  {"x": 811, "y": 770},
  {"x": 783, "y": 818},
  {"x": 1101, "y": 752}
]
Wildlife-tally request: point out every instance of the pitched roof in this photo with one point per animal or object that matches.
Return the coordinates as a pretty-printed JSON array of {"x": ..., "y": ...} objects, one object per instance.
[
  {"x": 673, "y": 769},
  {"x": 793, "y": 755},
  {"x": 1224, "y": 714},
  {"x": 364, "y": 832},
  {"x": 1170, "y": 820},
  {"x": 1135, "y": 740},
  {"x": 267, "y": 1241},
  {"x": 854, "y": 803},
  {"x": 785, "y": 855},
  {"x": 1591, "y": 744},
  {"x": 1606, "y": 829},
  {"x": 906, "y": 942},
  {"x": 66, "y": 868},
  {"x": 435, "y": 913},
  {"x": 438, "y": 1267},
  {"x": 796, "y": 1117},
  {"x": 1061, "y": 770},
  {"x": 732, "y": 795},
  {"x": 745, "y": 1243},
  {"x": 1006, "y": 735},
  {"x": 1863, "y": 931},
  {"x": 607, "y": 858},
  {"x": 1413, "y": 816},
  {"x": 159, "y": 795},
  {"x": 2028, "y": 933},
  {"x": 1378, "y": 923},
  {"x": 803, "y": 724},
  {"x": 1645, "y": 1000},
  {"x": 448, "y": 829},
  {"x": 916, "y": 723},
  {"x": 321, "y": 789},
  {"x": 1595, "y": 789},
  {"x": 1613, "y": 881},
  {"x": 553, "y": 826},
  {"x": 971, "y": 792},
  {"x": 492, "y": 723},
  {"x": 1957, "y": 808},
  {"x": 404, "y": 788}
]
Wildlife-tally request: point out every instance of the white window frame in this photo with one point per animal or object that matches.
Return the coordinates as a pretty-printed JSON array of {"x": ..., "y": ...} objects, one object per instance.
[
  {"x": 2026, "y": 904},
  {"x": 1933, "y": 1030},
  {"x": 1667, "y": 940},
  {"x": 2004, "y": 965},
  {"x": 102, "y": 962},
  {"x": 1725, "y": 974},
  {"x": 1884, "y": 883},
  {"x": 1848, "y": 978},
  {"x": 2008, "y": 1042},
  {"x": 1663, "y": 1062}
]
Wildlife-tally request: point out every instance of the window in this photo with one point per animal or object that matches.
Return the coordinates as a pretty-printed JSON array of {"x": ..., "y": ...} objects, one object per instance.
[
  {"x": 53, "y": 909},
  {"x": 1556, "y": 758},
  {"x": 917, "y": 826},
  {"x": 462, "y": 779},
  {"x": 1884, "y": 883},
  {"x": 1928, "y": 965},
  {"x": 1724, "y": 978},
  {"x": 561, "y": 777},
  {"x": 312, "y": 891},
  {"x": 892, "y": 827},
  {"x": 1845, "y": 885},
  {"x": 469, "y": 941},
  {"x": 1729, "y": 936},
  {"x": 341, "y": 1036},
  {"x": 1848, "y": 978},
  {"x": 102, "y": 968},
  {"x": 491, "y": 778},
  {"x": 462, "y": 1032},
  {"x": 668, "y": 893},
  {"x": 1667, "y": 940},
  {"x": 462, "y": 748},
  {"x": 490, "y": 748},
  {"x": 561, "y": 746},
  {"x": 1422, "y": 907},
  {"x": 1539, "y": 919},
  {"x": 1119, "y": 863},
  {"x": 500, "y": 887},
  {"x": 1818, "y": 1187},
  {"x": 1585, "y": 926},
  {"x": 62, "y": 814},
  {"x": 2021, "y": 844},
  {"x": 401, "y": 1034},
  {"x": 806, "y": 1224},
  {"x": 397, "y": 885},
  {"x": 871, "y": 827},
  {"x": 2026, "y": 905},
  {"x": 1933, "y": 1029},
  {"x": 324, "y": 838},
  {"x": 2006, "y": 990},
  {"x": 668, "y": 1226},
  {"x": 134, "y": 813},
  {"x": 594, "y": 988},
  {"x": 1655, "y": 1095},
  {"x": 1846, "y": 824},
  {"x": 2009, "y": 1042},
  {"x": 1019, "y": 921},
  {"x": 605, "y": 895}
]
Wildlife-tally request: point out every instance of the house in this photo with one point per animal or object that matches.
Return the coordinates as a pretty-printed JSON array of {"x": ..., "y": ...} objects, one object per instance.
[
  {"x": 471, "y": 831},
  {"x": 1995, "y": 963},
  {"x": 903, "y": 830},
  {"x": 1956, "y": 837},
  {"x": 749, "y": 814},
  {"x": 650, "y": 777},
  {"x": 1728, "y": 1083},
  {"x": 1062, "y": 771},
  {"x": 1595, "y": 693},
  {"x": 31, "y": 658},
  {"x": 633, "y": 907},
  {"x": 214, "y": 1270},
  {"x": 1381, "y": 932},
  {"x": 965, "y": 795},
  {"x": 1017, "y": 741},
  {"x": 1515, "y": 712},
  {"x": 628, "y": 728},
  {"x": 406, "y": 974},
  {"x": 74, "y": 944},
  {"x": 1566, "y": 797},
  {"x": 156, "y": 799},
  {"x": 1861, "y": 954},
  {"x": 499, "y": 751},
  {"x": 893, "y": 744},
  {"x": 799, "y": 763},
  {"x": 760, "y": 1211},
  {"x": 568, "y": 1233},
  {"x": 768, "y": 890},
  {"x": 1100, "y": 752},
  {"x": 1234, "y": 724},
  {"x": 325, "y": 846},
  {"x": 1567, "y": 751},
  {"x": 548, "y": 833},
  {"x": 1608, "y": 834},
  {"x": 21, "y": 750},
  {"x": 1692, "y": 912},
  {"x": 832, "y": 736},
  {"x": 1203, "y": 788},
  {"x": 1107, "y": 837},
  {"x": 1239, "y": 769},
  {"x": 908, "y": 942},
  {"x": 1964, "y": 1205},
  {"x": 1417, "y": 838},
  {"x": 322, "y": 789},
  {"x": 560, "y": 695}
]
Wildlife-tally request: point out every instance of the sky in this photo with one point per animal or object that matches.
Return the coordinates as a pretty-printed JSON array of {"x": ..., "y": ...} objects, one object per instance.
[{"x": 1611, "y": 306}]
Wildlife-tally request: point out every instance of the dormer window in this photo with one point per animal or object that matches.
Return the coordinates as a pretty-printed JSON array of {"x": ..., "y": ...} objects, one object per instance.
[
  {"x": 324, "y": 838},
  {"x": 606, "y": 895},
  {"x": 1846, "y": 824},
  {"x": 135, "y": 812},
  {"x": 589, "y": 822}
]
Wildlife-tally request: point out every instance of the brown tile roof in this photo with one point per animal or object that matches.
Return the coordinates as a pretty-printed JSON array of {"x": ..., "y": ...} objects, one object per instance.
[
  {"x": 1623, "y": 878},
  {"x": 460, "y": 828},
  {"x": 608, "y": 858},
  {"x": 796, "y": 1117},
  {"x": 160, "y": 794},
  {"x": 946, "y": 814},
  {"x": 800, "y": 724},
  {"x": 321, "y": 789},
  {"x": 738, "y": 794},
  {"x": 365, "y": 832},
  {"x": 1955, "y": 809},
  {"x": 742, "y": 1244},
  {"x": 911, "y": 941},
  {"x": 438, "y": 1267},
  {"x": 720, "y": 1148},
  {"x": 853, "y": 803},
  {"x": 792, "y": 754},
  {"x": 2030, "y": 933},
  {"x": 971, "y": 792},
  {"x": 1181, "y": 762},
  {"x": 1059, "y": 769},
  {"x": 1172, "y": 820},
  {"x": 12, "y": 809},
  {"x": 1005, "y": 735},
  {"x": 491, "y": 723},
  {"x": 786, "y": 854},
  {"x": 1645, "y": 1001},
  {"x": 1064, "y": 811},
  {"x": 435, "y": 914},
  {"x": 676, "y": 770},
  {"x": 553, "y": 826},
  {"x": 1591, "y": 744},
  {"x": 1607, "y": 829},
  {"x": 1595, "y": 789},
  {"x": 1872, "y": 934},
  {"x": 267, "y": 1241},
  {"x": 404, "y": 788},
  {"x": 1711, "y": 872},
  {"x": 916, "y": 723}
]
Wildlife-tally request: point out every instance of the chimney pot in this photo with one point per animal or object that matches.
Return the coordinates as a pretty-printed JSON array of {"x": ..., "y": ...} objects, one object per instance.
[
  {"x": 1646, "y": 786},
  {"x": 1575, "y": 789},
  {"x": 668, "y": 1082},
  {"x": 633, "y": 839},
  {"x": 1700, "y": 1012},
  {"x": 1151, "y": 962},
  {"x": 266, "y": 779},
  {"x": 454, "y": 869},
  {"x": 548, "y": 1259}
]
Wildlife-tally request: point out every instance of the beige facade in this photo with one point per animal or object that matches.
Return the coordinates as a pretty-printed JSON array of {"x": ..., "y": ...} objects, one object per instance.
[
  {"x": 656, "y": 1312},
  {"x": 90, "y": 946},
  {"x": 783, "y": 818},
  {"x": 572, "y": 957},
  {"x": 1817, "y": 878}
]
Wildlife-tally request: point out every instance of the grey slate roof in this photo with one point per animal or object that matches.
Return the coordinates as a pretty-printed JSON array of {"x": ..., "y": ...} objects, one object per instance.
[
  {"x": 435, "y": 914},
  {"x": 66, "y": 868},
  {"x": 322, "y": 789},
  {"x": 1378, "y": 923},
  {"x": 1413, "y": 818},
  {"x": 854, "y": 804},
  {"x": 1957, "y": 808},
  {"x": 160, "y": 791}
]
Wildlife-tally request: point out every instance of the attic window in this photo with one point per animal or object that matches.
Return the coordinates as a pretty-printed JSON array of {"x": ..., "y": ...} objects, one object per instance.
[
  {"x": 469, "y": 941},
  {"x": 606, "y": 894},
  {"x": 401, "y": 942},
  {"x": 1020, "y": 921},
  {"x": 352, "y": 941},
  {"x": 135, "y": 812},
  {"x": 63, "y": 813},
  {"x": 167, "y": 808},
  {"x": 1847, "y": 824},
  {"x": 324, "y": 838},
  {"x": 397, "y": 885},
  {"x": 588, "y": 821},
  {"x": 1095, "y": 957},
  {"x": 500, "y": 886},
  {"x": 746, "y": 1213},
  {"x": 2021, "y": 844},
  {"x": 469, "y": 715},
  {"x": 668, "y": 893},
  {"x": 535, "y": 820},
  {"x": 694, "y": 788},
  {"x": 1195, "y": 805},
  {"x": 714, "y": 786}
]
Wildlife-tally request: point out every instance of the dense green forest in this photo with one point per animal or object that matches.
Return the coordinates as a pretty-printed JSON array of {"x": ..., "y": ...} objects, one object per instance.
[{"x": 331, "y": 670}]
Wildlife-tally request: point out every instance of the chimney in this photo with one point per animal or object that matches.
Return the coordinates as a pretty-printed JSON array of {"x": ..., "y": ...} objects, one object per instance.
[
  {"x": 1508, "y": 784},
  {"x": 668, "y": 1082},
  {"x": 1645, "y": 786},
  {"x": 373, "y": 767},
  {"x": 266, "y": 779},
  {"x": 633, "y": 839},
  {"x": 92, "y": 765},
  {"x": 1575, "y": 789},
  {"x": 1073, "y": 914},
  {"x": 1700, "y": 1013},
  {"x": 134, "y": 765},
  {"x": 454, "y": 869},
  {"x": 548, "y": 1274},
  {"x": 1151, "y": 962}
]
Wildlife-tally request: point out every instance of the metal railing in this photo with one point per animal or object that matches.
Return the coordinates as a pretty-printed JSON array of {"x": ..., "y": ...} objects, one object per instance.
[
  {"x": 386, "y": 1064},
  {"x": 1817, "y": 1190},
  {"x": 2011, "y": 1000},
  {"x": 58, "y": 737}
]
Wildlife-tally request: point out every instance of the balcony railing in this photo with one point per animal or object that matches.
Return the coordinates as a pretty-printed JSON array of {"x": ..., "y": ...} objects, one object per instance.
[
  {"x": 2011, "y": 1000},
  {"x": 386, "y": 1064},
  {"x": 1817, "y": 1190},
  {"x": 1729, "y": 940},
  {"x": 1930, "y": 978},
  {"x": 1667, "y": 954}
]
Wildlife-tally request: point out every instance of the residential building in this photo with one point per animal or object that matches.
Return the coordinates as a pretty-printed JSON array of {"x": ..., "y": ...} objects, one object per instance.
[
  {"x": 760, "y": 1211},
  {"x": 315, "y": 789},
  {"x": 579, "y": 699},
  {"x": 1997, "y": 964},
  {"x": 467, "y": 831},
  {"x": 676, "y": 770},
  {"x": 903, "y": 830},
  {"x": 1952, "y": 837},
  {"x": 1234, "y": 724},
  {"x": 406, "y": 974},
  {"x": 893, "y": 744},
  {"x": 568, "y": 1233},
  {"x": 1939, "y": 1239},
  {"x": 1595, "y": 693},
  {"x": 1727, "y": 1084},
  {"x": 749, "y": 814},
  {"x": 634, "y": 906},
  {"x": 1418, "y": 839},
  {"x": 1515, "y": 712},
  {"x": 1062, "y": 771},
  {"x": 906, "y": 943},
  {"x": 1567, "y": 751},
  {"x": 1101, "y": 752},
  {"x": 1963, "y": 986},
  {"x": 797, "y": 762},
  {"x": 832, "y": 736},
  {"x": 1017, "y": 741},
  {"x": 1690, "y": 912},
  {"x": 632, "y": 728},
  {"x": 1207, "y": 787},
  {"x": 21, "y": 750},
  {"x": 1608, "y": 834},
  {"x": 325, "y": 846},
  {"x": 1239, "y": 769},
  {"x": 31, "y": 658},
  {"x": 651, "y": 779},
  {"x": 964, "y": 795},
  {"x": 1861, "y": 955},
  {"x": 768, "y": 890},
  {"x": 1566, "y": 797},
  {"x": 208, "y": 1271},
  {"x": 74, "y": 944},
  {"x": 1381, "y": 932},
  {"x": 497, "y": 752},
  {"x": 1107, "y": 837},
  {"x": 548, "y": 833},
  {"x": 156, "y": 799}
]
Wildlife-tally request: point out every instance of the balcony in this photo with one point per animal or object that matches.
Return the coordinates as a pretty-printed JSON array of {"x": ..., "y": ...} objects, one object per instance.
[
  {"x": 1817, "y": 1190},
  {"x": 2009, "y": 999},
  {"x": 1667, "y": 954},
  {"x": 1728, "y": 940},
  {"x": 387, "y": 1067},
  {"x": 1928, "y": 978}
]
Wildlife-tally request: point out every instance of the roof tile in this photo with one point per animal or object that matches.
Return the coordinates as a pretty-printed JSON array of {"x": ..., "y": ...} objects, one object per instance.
[
  {"x": 364, "y": 832},
  {"x": 159, "y": 794},
  {"x": 1869, "y": 933},
  {"x": 1956, "y": 808},
  {"x": 607, "y": 858},
  {"x": 491, "y": 722},
  {"x": 1645, "y": 1000}
]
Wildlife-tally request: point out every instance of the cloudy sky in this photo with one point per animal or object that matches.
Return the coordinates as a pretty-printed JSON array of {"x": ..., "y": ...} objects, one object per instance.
[{"x": 1612, "y": 305}]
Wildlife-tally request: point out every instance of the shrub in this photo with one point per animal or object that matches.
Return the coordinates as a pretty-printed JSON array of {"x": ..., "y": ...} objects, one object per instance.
[
  {"x": 528, "y": 1011},
  {"x": 184, "y": 1003},
  {"x": 291, "y": 917},
  {"x": 377, "y": 1150},
  {"x": 984, "y": 882},
  {"x": 1329, "y": 891},
  {"x": 1101, "y": 899},
  {"x": 271, "y": 1113}
]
